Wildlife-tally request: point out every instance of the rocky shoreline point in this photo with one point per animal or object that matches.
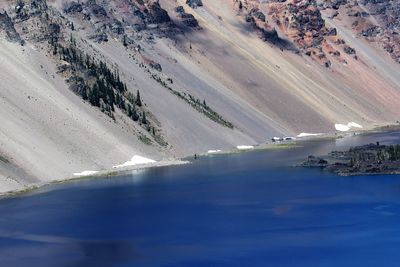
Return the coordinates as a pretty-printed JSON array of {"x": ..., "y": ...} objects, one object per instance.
[{"x": 360, "y": 160}]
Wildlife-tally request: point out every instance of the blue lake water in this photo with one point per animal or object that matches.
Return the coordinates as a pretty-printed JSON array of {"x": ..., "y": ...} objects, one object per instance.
[{"x": 249, "y": 209}]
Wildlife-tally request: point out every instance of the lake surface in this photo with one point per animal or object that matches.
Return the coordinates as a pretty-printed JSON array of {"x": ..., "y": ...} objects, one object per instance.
[{"x": 249, "y": 209}]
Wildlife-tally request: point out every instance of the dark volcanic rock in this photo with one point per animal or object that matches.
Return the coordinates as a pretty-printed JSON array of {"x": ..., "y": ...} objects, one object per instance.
[
  {"x": 73, "y": 7},
  {"x": 116, "y": 27},
  {"x": 158, "y": 15},
  {"x": 100, "y": 37},
  {"x": 7, "y": 26},
  {"x": 53, "y": 31},
  {"x": 378, "y": 21},
  {"x": 331, "y": 32},
  {"x": 348, "y": 50},
  {"x": 333, "y": 4},
  {"x": 95, "y": 9},
  {"x": 155, "y": 66},
  {"x": 24, "y": 10},
  {"x": 257, "y": 14},
  {"x": 306, "y": 17},
  {"x": 179, "y": 9},
  {"x": 187, "y": 19},
  {"x": 190, "y": 21},
  {"x": 194, "y": 3},
  {"x": 313, "y": 161},
  {"x": 361, "y": 160},
  {"x": 372, "y": 31},
  {"x": 38, "y": 7}
]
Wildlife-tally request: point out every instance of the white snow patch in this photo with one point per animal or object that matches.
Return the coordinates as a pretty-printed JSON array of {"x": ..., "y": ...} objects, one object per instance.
[
  {"x": 245, "y": 147},
  {"x": 347, "y": 127},
  {"x": 213, "y": 151},
  {"x": 136, "y": 160},
  {"x": 342, "y": 127},
  {"x": 355, "y": 125},
  {"x": 85, "y": 173},
  {"x": 309, "y": 134}
]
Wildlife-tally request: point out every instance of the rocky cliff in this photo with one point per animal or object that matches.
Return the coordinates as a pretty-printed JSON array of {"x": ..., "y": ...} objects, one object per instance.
[
  {"x": 88, "y": 84},
  {"x": 376, "y": 21}
]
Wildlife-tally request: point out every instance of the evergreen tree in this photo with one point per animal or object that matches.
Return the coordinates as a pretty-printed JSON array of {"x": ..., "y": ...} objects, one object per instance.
[
  {"x": 87, "y": 61},
  {"x": 144, "y": 120},
  {"x": 138, "y": 100},
  {"x": 130, "y": 112},
  {"x": 94, "y": 96},
  {"x": 54, "y": 49},
  {"x": 135, "y": 116},
  {"x": 84, "y": 93},
  {"x": 124, "y": 41}
]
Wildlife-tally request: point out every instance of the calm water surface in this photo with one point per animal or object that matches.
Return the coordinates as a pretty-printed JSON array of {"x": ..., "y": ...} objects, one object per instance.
[{"x": 250, "y": 209}]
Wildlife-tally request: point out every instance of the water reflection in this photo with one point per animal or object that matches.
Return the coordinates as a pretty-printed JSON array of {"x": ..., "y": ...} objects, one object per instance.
[{"x": 251, "y": 209}]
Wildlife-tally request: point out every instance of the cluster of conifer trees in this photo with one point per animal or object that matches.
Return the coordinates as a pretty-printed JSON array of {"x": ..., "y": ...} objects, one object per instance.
[
  {"x": 375, "y": 153},
  {"x": 96, "y": 83},
  {"x": 196, "y": 103},
  {"x": 394, "y": 152}
]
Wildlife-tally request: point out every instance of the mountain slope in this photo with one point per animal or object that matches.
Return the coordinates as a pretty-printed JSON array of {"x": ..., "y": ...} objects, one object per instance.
[{"x": 215, "y": 76}]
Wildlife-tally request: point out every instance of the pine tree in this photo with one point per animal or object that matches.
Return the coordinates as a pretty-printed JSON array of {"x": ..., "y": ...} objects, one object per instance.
[
  {"x": 130, "y": 112},
  {"x": 87, "y": 61},
  {"x": 144, "y": 120},
  {"x": 94, "y": 96},
  {"x": 135, "y": 116},
  {"x": 55, "y": 49},
  {"x": 124, "y": 41},
  {"x": 84, "y": 93},
  {"x": 138, "y": 100}
]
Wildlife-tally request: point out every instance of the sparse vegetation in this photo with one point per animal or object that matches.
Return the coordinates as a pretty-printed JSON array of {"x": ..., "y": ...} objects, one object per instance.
[
  {"x": 367, "y": 159},
  {"x": 196, "y": 103},
  {"x": 101, "y": 86},
  {"x": 4, "y": 159}
]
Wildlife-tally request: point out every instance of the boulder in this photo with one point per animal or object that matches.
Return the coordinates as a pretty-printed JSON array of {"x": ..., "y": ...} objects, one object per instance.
[
  {"x": 158, "y": 15},
  {"x": 194, "y": 3},
  {"x": 7, "y": 26},
  {"x": 73, "y": 7}
]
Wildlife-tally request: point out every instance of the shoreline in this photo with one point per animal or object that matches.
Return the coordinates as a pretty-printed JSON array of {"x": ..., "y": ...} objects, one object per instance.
[
  {"x": 188, "y": 159},
  {"x": 298, "y": 141},
  {"x": 99, "y": 175}
]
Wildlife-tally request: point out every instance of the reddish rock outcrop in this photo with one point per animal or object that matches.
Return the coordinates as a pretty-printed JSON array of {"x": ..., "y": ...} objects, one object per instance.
[{"x": 295, "y": 22}]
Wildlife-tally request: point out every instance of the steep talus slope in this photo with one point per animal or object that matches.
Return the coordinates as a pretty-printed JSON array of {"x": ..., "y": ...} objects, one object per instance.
[
  {"x": 88, "y": 84},
  {"x": 315, "y": 97},
  {"x": 378, "y": 22},
  {"x": 47, "y": 129}
]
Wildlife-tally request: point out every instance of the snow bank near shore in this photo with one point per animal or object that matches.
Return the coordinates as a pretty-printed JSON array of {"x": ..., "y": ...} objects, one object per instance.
[
  {"x": 136, "y": 160},
  {"x": 309, "y": 134},
  {"x": 354, "y": 125},
  {"x": 347, "y": 127},
  {"x": 342, "y": 127},
  {"x": 213, "y": 151},
  {"x": 85, "y": 173},
  {"x": 245, "y": 147}
]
